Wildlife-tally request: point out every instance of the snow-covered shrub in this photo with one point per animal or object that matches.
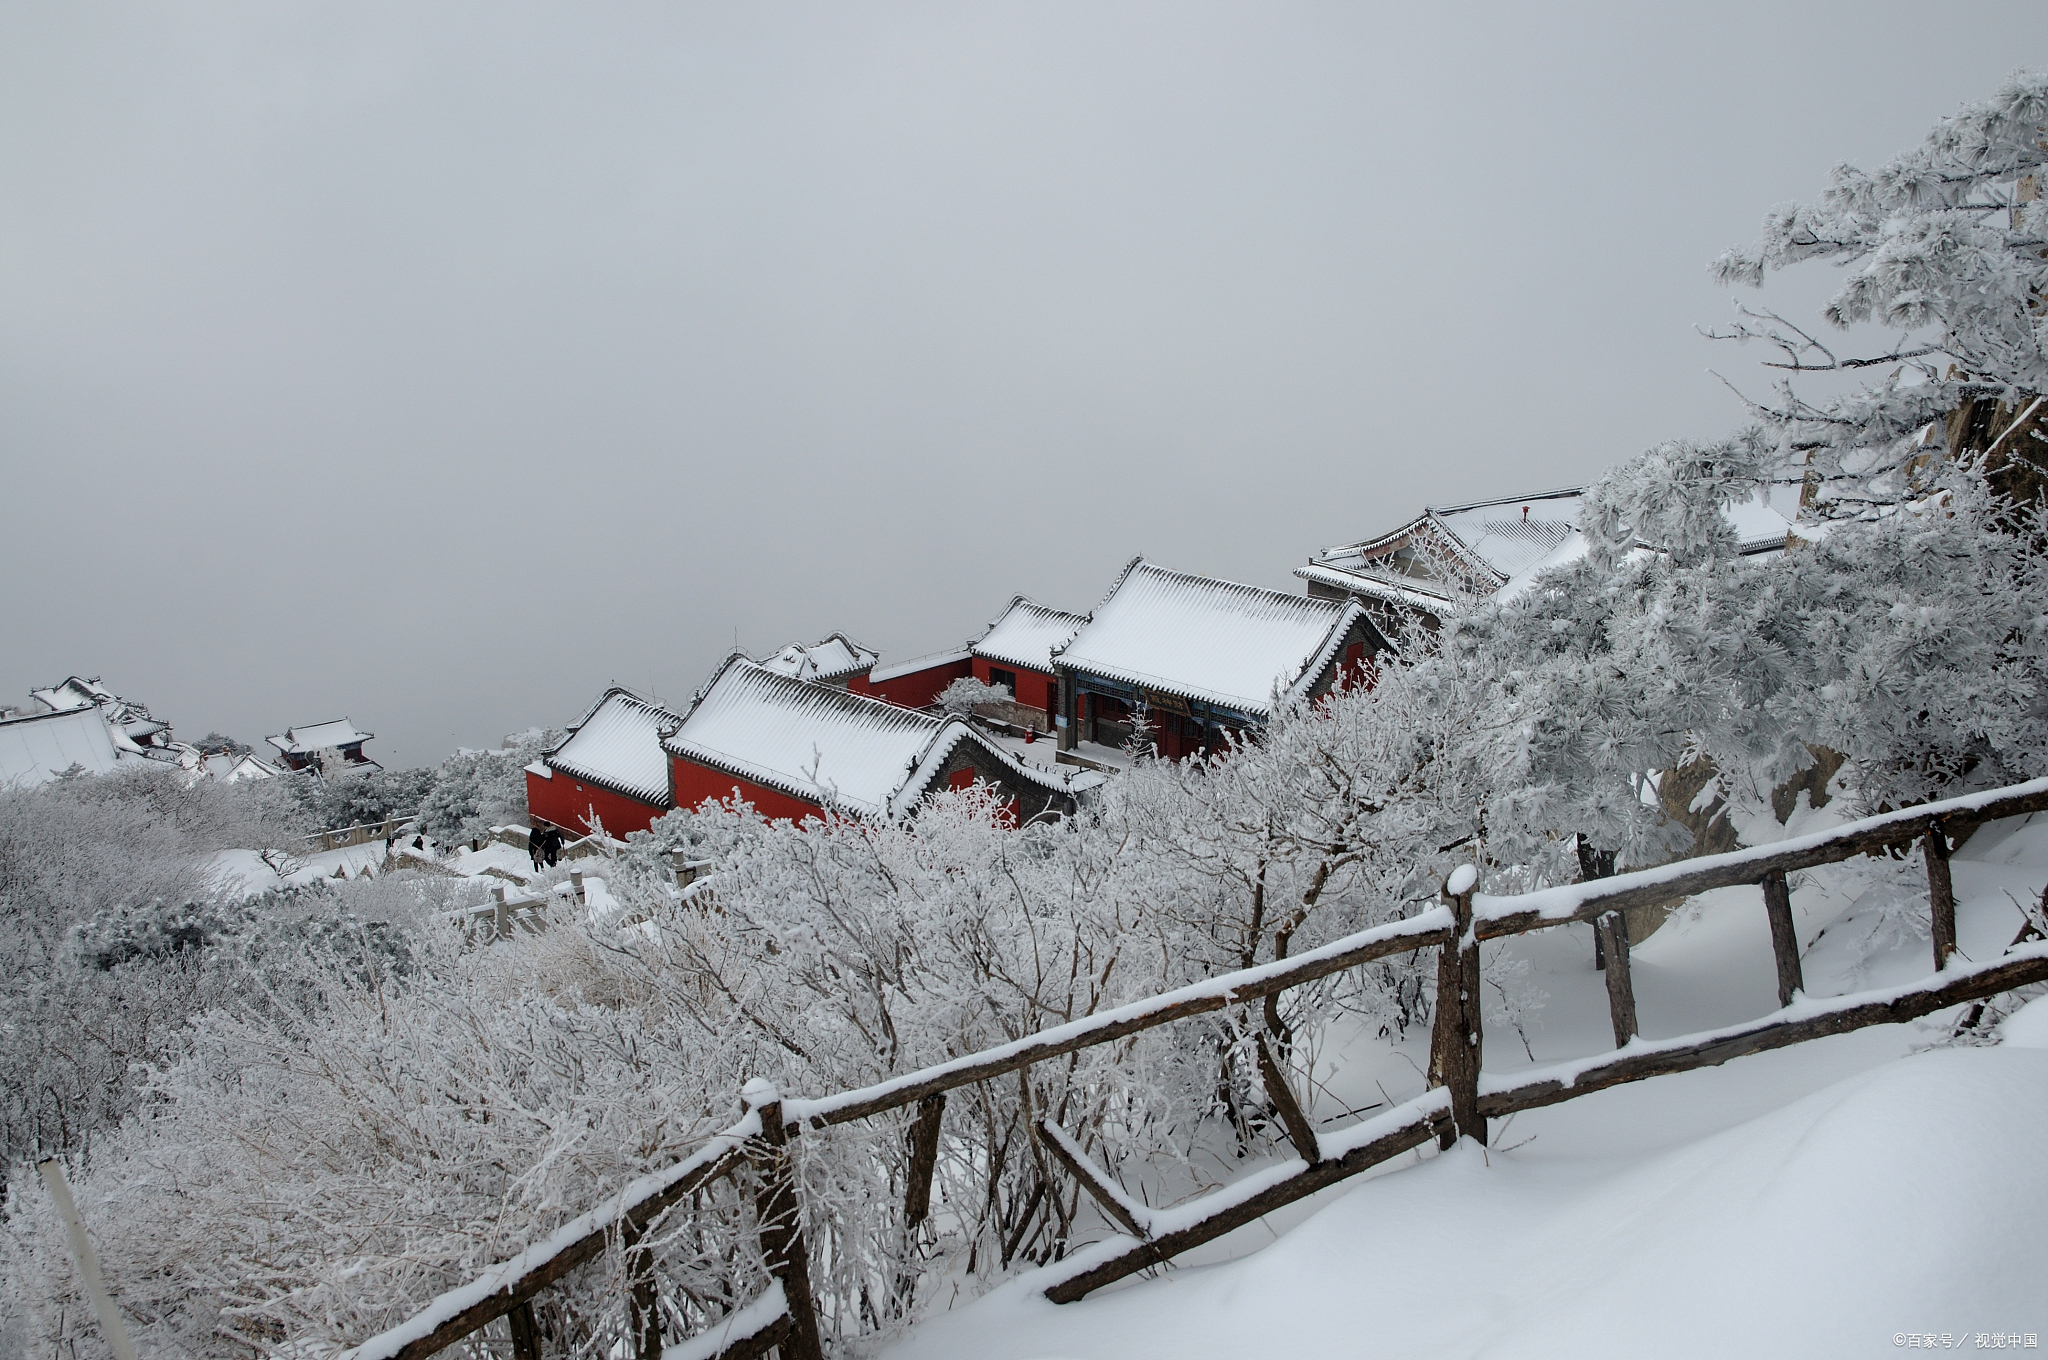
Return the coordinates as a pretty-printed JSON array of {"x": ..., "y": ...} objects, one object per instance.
[
  {"x": 81, "y": 1012},
  {"x": 404, "y": 1117},
  {"x": 321, "y": 804},
  {"x": 473, "y": 791},
  {"x": 966, "y": 694}
]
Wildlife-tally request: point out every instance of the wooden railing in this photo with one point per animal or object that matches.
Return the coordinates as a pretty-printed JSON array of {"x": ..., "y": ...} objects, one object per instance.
[
  {"x": 506, "y": 912},
  {"x": 1460, "y": 1101},
  {"x": 360, "y": 834}
]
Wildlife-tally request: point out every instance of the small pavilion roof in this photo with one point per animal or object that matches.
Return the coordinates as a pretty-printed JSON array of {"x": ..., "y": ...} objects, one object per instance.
[
  {"x": 1027, "y": 634},
  {"x": 832, "y": 658}
]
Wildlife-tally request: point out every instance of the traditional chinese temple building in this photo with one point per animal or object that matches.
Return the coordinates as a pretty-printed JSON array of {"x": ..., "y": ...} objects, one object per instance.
[
  {"x": 610, "y": 770},
  {"x": 1017, "y": 650},
  {"x": 328, "y": 749},
  {"x": 1202, "y": 658},
  {"x": 794, "y": 749},
  {"x": 1453, "y": 556}
]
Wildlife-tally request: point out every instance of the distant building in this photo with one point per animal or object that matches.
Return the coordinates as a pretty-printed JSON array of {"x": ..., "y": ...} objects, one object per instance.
[
  {"x": 330, "y": 749},
  {"x": 609, "y": 770},
  {"x": 836, "y": 660},
  {"x": 1017, "y": 650},
  {"x": 794, "y": 749},
  {"x": 36, "y": 747},
  {"x": 134, "y": 730},
  {"x": 1202, "y": 659},
  {"x": 1453, "y": 556},
  {"x": 129, "y": 730},
  {"x": 232, "y": 767}
]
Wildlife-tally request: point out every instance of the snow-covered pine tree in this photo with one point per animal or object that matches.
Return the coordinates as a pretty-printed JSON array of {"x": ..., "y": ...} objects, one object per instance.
[{"x": 1945, "y": 248}]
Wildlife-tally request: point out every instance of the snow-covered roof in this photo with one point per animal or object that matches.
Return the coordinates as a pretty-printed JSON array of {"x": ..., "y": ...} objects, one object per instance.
[
  {"x": 75, "y": 692},
  {"x": 1215, "y": 641},
  {"x": 44, "y": 745},
  {"x": 128, "y": 717},
  {"x": 1379, "y": 586},
  {"x": 1028, "y": 634},
  {"x": 916, "y": 664},
  {"x": 1512, "y": 535},
  {"x": 301, "y": 741},
  {"x": 1498, "y": 538},
  {"x": 1758, "y": 527},
  {"x": 824, "y": 744},
  {"x": 835, "y": 657},
  {"x": 1498, "y": 541},
  {"x": 232, "y": 769},
  {"x": 617, "y": 746}
]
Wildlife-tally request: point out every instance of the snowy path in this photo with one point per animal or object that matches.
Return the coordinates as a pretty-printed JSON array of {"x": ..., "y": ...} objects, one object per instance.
[{"x": 1905, "y": 1199}]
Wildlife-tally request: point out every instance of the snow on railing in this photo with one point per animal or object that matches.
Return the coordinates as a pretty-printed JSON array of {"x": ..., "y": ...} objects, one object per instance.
[
  {"x": 1460, "y": 1102},
  {"x": 360, "y": 834},
  {"x": 462, "y": 1310}
]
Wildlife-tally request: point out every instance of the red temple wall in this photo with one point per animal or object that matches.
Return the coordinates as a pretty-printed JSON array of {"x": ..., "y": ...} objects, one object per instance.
[
  {"x": 915, "y": 689},
  {"x": 696, "y": 785},
  {"x": 1035, "y": 689},
  {"x": 567, "y": 802}
]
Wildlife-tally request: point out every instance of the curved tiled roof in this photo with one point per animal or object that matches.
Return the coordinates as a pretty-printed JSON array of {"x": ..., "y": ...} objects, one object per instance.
[
  {"x": 319, "y": 736},
  {"x": 617, "y": 746},
  {"x": 833, "y": 657},
  {"x": 820, "y": 743},
  {"x": 1216, "y": 641},
  {"x": 1503, "y": 539},
  {"x": 1027, "y": 634}
]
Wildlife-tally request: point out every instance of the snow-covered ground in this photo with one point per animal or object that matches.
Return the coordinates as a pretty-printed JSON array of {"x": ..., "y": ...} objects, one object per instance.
[
  {"x": 1045, "y": 751},
  {"x": 249, "y": 873},
  {"x": 1840, "y": 1198},
  {"x": 497, "y": 859}
]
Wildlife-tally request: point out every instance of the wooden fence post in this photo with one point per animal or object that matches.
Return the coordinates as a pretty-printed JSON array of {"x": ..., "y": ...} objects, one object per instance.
[
  {"x": 643, "y": 1301},
  {"x": 525, "y": 1335},
  {"x": 1941, "y": 895},
  {"x": 1784, "y": 936},
  {"x": 1612, "y": 931},
  {"x": 112, "y": 1329},
  {"x": 1300, "y": 1131},
  {"x": 924, "y": 1159},
  {"x": 1458, "y": 1040},
  {"x": 779, "y": 1221}
]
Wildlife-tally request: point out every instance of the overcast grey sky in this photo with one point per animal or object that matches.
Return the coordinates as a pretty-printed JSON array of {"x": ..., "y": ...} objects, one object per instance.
[{"x": 437, "y": 364}]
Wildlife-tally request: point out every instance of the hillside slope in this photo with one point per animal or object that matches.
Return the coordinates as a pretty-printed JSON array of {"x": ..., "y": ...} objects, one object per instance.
[{"x": 1820, "y": 1200}]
